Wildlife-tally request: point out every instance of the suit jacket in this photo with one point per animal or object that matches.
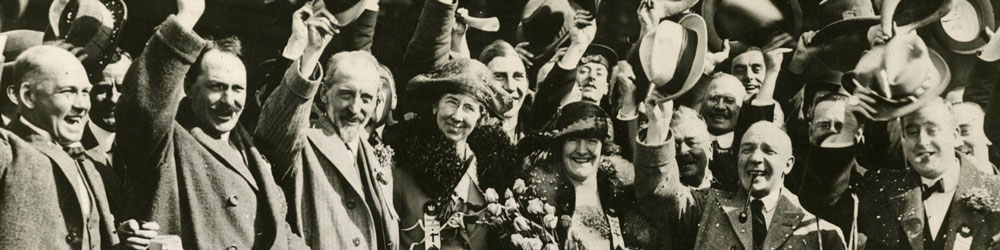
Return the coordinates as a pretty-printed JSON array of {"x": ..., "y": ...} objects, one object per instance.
[
  {"x": 710, "y": 217},
  {"x": 177, "y": 175},
  {"x": 103, "y": 163},
  {"x": 890, "y": 206},
  {"x": 321, "y": 177},
  {"x": 39, "y": 206}
]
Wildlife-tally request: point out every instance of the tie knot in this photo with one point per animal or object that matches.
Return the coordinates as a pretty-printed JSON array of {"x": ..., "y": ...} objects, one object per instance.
[
  {"x": 76, "y": 152},
  {"x": 757, "y": 205}
]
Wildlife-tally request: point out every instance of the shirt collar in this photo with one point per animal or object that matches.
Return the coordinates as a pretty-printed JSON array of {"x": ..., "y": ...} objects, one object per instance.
[
  {"x": 770, "y": 201},
  {"x": 724, "y": 140},
  {"x": 104, "y": 137},
  {"x": 949, "y": 180}
]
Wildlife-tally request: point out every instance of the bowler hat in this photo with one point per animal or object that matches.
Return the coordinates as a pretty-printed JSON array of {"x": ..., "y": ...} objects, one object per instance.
[
  {"x": 346, "y": 11},
  {"x": 94, "y": 25},
  {"x": 963, "y": 30},
  {"x": 750, "y": 21},
  {"x": 461, "y": 75},
  {"x": 545, "y": 25},
  {"x": 841, "y": 44},
  {"x": 902, "y": 75},
  {"x": 909, "y": 15},
  {"x": 672, "y": 56}
]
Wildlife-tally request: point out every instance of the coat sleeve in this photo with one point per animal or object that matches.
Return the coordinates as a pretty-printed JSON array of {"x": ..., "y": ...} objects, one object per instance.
[
  {"x": 557, "y": 84},
  {"x": 673, "y": 207},
  {"x": 284, "y": 118},
  {"x": 824, "y": 189},
  {"x": 992, "y": 123},
  {"x": 153, "y": 89},
  {"x": 360, "y": 34},
  {"x": 749, "y": 115},
  {"x": 431, "y": 42}
]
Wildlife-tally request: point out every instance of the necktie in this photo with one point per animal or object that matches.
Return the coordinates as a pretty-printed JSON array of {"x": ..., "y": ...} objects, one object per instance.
[
  {"x": 759, "y": 226},
  {"x": 929, "y": 190}
]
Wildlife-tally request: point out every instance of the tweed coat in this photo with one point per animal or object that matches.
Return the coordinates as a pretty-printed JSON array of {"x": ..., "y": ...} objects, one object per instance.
[
  {"x": 321, "y": 177},
  {"x": 177, "y": 175},
  {"x": 39, "y": 207},
  {"x": 890, "y": 205},
  {"x": 711, "y": 216}
]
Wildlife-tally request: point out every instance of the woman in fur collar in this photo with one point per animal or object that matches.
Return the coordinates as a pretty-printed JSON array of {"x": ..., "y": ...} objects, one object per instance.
[
  {"x": 449, "y": 155},
  {"x": 579, "y": 171}
]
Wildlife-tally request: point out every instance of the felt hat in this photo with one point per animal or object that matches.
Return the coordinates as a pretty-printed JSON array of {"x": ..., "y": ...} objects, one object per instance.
[
  {"x": 750, "y": 21},
  {"x": 671, "y": 8},
  {"x": 909, "y": 15},
  {"x": 672, "y": 56},
  {"x": 608, "y": 56},
  {"x": 346, "y": 11},
  {"x": 903, "y": 74},
  {"x": 582, "y": 119},
  {"x": 545, "y": 25},
  {"x": 94, "y": 25},
  {"x": 831, "y": 11},
  {"x": 461, "y": 75},
  {"x": 963, "y": 29},
  {"x": 18, "y": 41},
  {"x": 841, "y": 44}
]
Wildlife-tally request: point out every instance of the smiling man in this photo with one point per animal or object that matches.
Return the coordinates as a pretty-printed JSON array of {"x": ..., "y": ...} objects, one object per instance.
[
  {"x": 760, "y": 214},
  {"x": 749, "y": 67}
]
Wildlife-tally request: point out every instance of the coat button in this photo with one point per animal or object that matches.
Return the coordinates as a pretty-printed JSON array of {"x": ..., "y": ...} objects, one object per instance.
[
  {"x": 233, "y": 201},
  {"x": 71, "y": 238},
  {"x": 231, "y": 247},
  {"x": 357, "y": 241},
  {"x": 349, "y": 204}
]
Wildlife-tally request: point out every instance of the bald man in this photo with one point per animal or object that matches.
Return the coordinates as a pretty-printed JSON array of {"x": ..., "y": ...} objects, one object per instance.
[
  {"x": 56, "y": 200},
  {"x": 760, "y": 214}
]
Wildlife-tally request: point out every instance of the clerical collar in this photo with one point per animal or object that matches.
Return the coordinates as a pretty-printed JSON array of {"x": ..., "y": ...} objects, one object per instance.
[
  {"x": 949, "y": 179},
  {"x": 724, "y": 140}
]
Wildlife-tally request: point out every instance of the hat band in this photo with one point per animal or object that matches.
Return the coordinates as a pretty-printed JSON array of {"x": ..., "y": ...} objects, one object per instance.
[{"x": 684, "y": 62}]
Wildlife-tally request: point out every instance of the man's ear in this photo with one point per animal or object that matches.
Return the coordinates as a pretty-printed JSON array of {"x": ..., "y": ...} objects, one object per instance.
[
  {"x": 25, "y": 96},
  {"x": 790, "y": 163},
  {"x": 11, "y": 94}
]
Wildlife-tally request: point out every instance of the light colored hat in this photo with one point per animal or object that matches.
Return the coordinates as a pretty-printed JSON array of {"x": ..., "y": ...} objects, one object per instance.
[
  {"x": 963, "y": 29},
  {"x": 673, "y": 55}
]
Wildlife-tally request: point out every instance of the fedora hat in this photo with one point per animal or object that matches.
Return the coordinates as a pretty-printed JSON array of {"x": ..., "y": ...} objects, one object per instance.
[
  {"x": 963, "y": 29},
  {"x": 909, "y": 15},
  {"x": 841, "y": 44},
  {"x": 831, "y": 11},
  {"x": 545, "y": 25},
  {"x": 94, "y": 25},
  {"x": 672, "y": 56},
  {"x": 750, "y": 21},
  {"x": 346, "y": 11},
  {"x": 19, "y": 40},
  {"x": 903, "y": 74}
]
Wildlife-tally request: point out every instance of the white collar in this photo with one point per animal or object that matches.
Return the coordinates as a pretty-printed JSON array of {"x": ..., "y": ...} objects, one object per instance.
[
  {"x": 725, "y": 140},
  {"x": 770, "y": 201},
  {"x": 104, "y": 137},
  {"x": 949, "y": 179}
]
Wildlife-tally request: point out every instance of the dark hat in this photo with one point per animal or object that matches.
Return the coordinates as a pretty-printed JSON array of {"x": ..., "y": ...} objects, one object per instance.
[
  {"x": 461, "y": 75},
  {"x": 672, "y": 56},
  {"x": 582, "y": 119},
  {"x": 831, "y": 11},
  {"x": 963, "y": 30},
  {"x": 18, "y": 41},
  {"x": 840, "y": 45},
  {"x": 750, "y": 21},
  {"x": 671, "y": 8},
  {"x": 94, "y": 25},
  {"x": 909, "y": 15},
  {"x": 545, "y": 25},
  {"x": 346, "y": 11},
  {"x": 607, "y": 56},
  {"x": 903, "y": 74}
]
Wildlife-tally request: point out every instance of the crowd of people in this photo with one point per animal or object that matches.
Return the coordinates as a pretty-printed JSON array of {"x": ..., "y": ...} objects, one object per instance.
[{"x": 723, "y": 125}]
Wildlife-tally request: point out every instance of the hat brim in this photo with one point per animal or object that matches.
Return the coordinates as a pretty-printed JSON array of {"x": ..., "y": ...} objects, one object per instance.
[
  {"x": 695, "y": 62},
  {"x": 841, "y": 43},
  {"x": 20, "y": 40},
  {"x": 345, "y": 15},
  {"x": 888, "y": 109},
  {"x": 968, "y": 43},
  {"x": 424, "y": 90},
  {"x": 604, "y": 51},
  {"x": 793, "y": 21}
]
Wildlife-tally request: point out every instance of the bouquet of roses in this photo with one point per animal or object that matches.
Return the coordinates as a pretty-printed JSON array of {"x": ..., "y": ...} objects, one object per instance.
[{"x": 529, "y": 222}]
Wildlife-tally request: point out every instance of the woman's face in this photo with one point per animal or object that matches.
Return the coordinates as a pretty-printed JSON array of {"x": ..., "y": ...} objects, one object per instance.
[
  {"x": 457, "y": 115},
  {"x": 581, "y": 157}
]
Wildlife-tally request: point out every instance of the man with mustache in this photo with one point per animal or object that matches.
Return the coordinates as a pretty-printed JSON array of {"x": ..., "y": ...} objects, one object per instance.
[
  {"x": 191, "y": 165},
  {"x": 53, "y": 196},
  {"x": 100, "y": 132},
  {"x": 749, "y": 67},
  {"x": 760, "y": 214},
  {"x": 341, "y": 194},
  {"x": 694, "y": 148}
]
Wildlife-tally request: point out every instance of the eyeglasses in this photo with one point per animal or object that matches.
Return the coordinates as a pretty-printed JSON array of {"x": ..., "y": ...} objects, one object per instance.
[{"x": 827, "y": 125}]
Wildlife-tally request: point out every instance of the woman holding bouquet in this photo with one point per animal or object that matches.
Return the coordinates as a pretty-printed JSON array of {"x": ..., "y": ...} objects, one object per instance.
[
  {"x": 578, "y": 171},
  {"x": 448, "y": 156}
]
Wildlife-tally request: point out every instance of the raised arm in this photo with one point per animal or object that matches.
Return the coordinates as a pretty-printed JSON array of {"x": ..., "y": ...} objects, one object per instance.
[
  {"x": 154, "y": 84},
  {"x": 360, "y": 33},
  {"x": 824, "y": 189},
  {"x": 285, "y": 114},
  {"x": 431, "y": 42}
]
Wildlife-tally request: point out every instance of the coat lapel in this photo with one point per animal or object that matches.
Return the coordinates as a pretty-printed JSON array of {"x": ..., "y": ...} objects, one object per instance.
[
  {"x": 958, "y": 214},
  {"x": 909, "y": 207},
  {"x": 786, "y": 218},
  {"x": 335, "y": 151},
  {"x": 229, "y": 160},
  {"x": 733, "y": 206},
  {"x": 63, "y": 162}
]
